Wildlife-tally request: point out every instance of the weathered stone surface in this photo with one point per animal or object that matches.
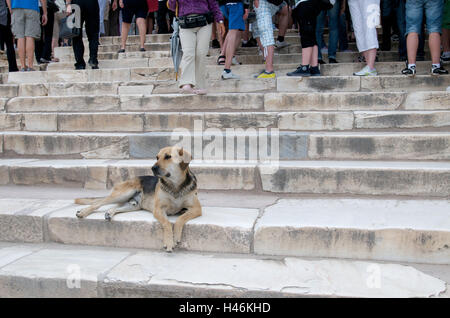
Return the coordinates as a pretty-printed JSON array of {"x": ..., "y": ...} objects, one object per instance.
[
  {"x": 217, "y": 230},
  {"x": 426, "y": 100},
  {"x": 402, "y": 119},
  {"x": 73, "y": 145},
  {"x": 10, "y": 252},
  {"x": 4, "y": 175},
  {"x": 318, "y": 84},
  {"x": 404, "y": 83},
  {"x": 358, "y": 177},
  {"x": 33, "y": 90},
  {"x": 245, "y": 120},
  {"x": 136, "y": 89},
  {"x": 101, "y": 122},
  {"x": 157, "y": 274},
  {"x": 3, "y": 104},
  {"x": 192, "y": 102},
  {"x": 8, "y": 91},
  {"x": 380, "y": 146},
  {"x": 10, "y": 122},
  {"x": 40, "y": 122},
  {"x": 83, "y": 88},
  {"x": 157, "y": 73},
  {"x": 58, "y": 272},
  {"x": 27, "y": 77},
  {"x": 108, "y": 75},
  {"x": 67, "y": 76},
  {"x": 21, "y": 220},
  {"x": 63, "y": 104},
  {"x": 171, "y": 121},
  {"x": 390, "y": 230},
  {"x": 315, "y": 120},
  {"x": 332, "y": 101},
  {"x": 210, "y": 176}
]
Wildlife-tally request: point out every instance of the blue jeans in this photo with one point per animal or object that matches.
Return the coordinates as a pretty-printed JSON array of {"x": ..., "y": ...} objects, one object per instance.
[
  {"x": 343, "y": 40},
  {"x": 333, "y": 26},
  {"x": 398, "y": 7},
  {"x": 433, "y": 13}
]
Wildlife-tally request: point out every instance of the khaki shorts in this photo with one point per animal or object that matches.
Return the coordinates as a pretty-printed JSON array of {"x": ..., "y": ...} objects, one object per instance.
[
  {"x": 58, "y": 16},
  {"x": 26, "y": 23}
]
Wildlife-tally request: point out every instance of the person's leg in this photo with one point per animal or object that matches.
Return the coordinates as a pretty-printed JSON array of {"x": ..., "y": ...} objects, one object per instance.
[
  {"x": 230, "y": 40},
  {"x": 162, "y": 20},
  {"x": 333, "y": 27},
  {"x": 386, "y": 13},
  {"x": 236, "y": 25},
  {"x": 124, "y": 34},
  {"x": 93, "y": 32},
  {"x": 48, "y": 36},
  {"x": 319, "y": 32},
  {"x": 433, "y": 12},
  {"x": 283, "y": 21},
  {"x": 29, "y": 48},
  {"x": 188, "y": 38},
  {"x": 8, "y": 39},
  {"x": 343, "y": 39},
  {"x": 401, "y": 24},
  {"x": 22, "y": 52},
  {"x": 414, "y": 16},
  {"x": 264, "y": 14},
  {"x": 370, "y": 56},
  {"x": 142, "y": 26},
  {"x": 77, "y": 42},
  {"x": 39, "y": 43},
  {"x": 202, "y": 49}
]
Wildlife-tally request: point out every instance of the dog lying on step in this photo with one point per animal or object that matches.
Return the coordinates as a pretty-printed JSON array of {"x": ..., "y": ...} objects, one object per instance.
[{"x": 171, "y": 190}]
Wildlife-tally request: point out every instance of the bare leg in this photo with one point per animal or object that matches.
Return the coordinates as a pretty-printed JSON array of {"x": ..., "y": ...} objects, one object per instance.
[
  {"x": 30, "y": 51},
  {"x": 370, "y": 56},
  {"x": 142, "y": 26},
  {"x": 269, "y": 58},
  {"x": 125, "y": 29},
  {"x": 22, "y": 52},
  {"x": 412, "y": 43},
  {"x": 283, "y": 21},
  {"x": 307, "y": 54},
  {"x": 435, "y": 47},
  {"x": 230, "y": 47}
]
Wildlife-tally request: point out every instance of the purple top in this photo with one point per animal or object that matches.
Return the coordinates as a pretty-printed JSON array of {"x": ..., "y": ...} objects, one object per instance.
[{"x": 186, "y": 7}]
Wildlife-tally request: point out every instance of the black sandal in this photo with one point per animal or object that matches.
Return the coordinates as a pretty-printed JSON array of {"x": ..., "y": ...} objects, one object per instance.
[{"x": 221, "y": 60}]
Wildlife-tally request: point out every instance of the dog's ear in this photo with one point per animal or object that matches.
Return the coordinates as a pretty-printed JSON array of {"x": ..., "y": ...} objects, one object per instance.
[{"x": 185, "y": 157}]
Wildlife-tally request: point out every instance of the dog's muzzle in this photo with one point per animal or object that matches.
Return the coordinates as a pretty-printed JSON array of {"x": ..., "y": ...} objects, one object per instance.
[{"x": 157, "y": 172}]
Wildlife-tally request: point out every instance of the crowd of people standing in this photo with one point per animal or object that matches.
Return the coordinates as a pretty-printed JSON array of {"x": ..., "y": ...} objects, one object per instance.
[{"x": 229, "y": 24}]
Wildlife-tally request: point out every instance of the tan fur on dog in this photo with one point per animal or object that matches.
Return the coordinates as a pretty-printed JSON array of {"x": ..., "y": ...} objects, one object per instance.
[{"x": 172, "y": 189}]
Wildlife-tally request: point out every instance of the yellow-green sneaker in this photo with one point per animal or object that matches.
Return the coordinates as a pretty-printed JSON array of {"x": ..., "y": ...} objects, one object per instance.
[{"x": 265, "y": 75}]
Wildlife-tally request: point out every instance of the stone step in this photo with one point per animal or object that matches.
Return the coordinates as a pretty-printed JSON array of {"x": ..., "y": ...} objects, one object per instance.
[
  {"x": 164, "y": 83},
  {"x": 366, "y": 178},
  {"x": 261, "y": 144},
  {"x": 431, "y": 179},
  {"x": 102, "y": 174},
  {"x": 223, "y": 102},
  {"x": 365, "y": 83},
  {"x": 337, "y": 228},
  {"x": 169, "y": 121},
  {"x": 414, "y": 231},
  {"x": 51, "y": 270},
  {"x": 247, "y": 71}
]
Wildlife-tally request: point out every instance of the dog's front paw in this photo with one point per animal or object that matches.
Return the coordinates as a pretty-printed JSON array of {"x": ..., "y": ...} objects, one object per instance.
[
  {"x": 108, "y": 216},
  {"x": 169, "y": 246}
]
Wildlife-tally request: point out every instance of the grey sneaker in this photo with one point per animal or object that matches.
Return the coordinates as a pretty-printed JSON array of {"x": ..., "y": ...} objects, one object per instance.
[
  {"x": 366, "y": 71},
  {"x": 230, "y": 75},
  {"x": 280, "y": 45}
]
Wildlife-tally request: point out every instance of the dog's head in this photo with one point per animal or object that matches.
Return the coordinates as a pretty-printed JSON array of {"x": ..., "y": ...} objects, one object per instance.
[{"x": 172, "y": 163}]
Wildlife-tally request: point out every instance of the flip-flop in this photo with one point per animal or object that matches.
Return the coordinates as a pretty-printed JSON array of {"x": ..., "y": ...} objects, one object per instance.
[{"x": 221, "y": 60}]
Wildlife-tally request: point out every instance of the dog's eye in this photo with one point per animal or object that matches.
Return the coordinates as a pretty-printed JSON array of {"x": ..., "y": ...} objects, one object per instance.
[{"x": 167, "y": 157}]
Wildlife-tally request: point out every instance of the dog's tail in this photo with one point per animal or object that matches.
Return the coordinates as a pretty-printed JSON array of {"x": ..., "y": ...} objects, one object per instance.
[{"x": 87, "y": 200}]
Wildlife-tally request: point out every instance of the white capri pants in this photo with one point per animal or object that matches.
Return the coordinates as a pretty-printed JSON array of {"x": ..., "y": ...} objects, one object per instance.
[{"x": 365, "y": 18}]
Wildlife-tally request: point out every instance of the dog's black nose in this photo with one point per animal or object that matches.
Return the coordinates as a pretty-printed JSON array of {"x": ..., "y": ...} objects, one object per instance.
[{"x": 155, "y": 170}]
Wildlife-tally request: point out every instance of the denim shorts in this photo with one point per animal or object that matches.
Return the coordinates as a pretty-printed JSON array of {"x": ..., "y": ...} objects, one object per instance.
[
  {"x": 234, "y": 13},
  {"x": 433, "y": 13}
]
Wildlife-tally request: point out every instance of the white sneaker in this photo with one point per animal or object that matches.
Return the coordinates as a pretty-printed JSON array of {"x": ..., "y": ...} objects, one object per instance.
[
  {"x": 234, "y": 61},
  {"x": 280, "y": 45},
  {"x": 366, "y": 71},
  {"x": 230, "y": 75}
]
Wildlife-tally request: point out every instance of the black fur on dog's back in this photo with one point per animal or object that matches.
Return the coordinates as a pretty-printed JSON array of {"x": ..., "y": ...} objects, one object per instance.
[{"x": 148, "y": 183}]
